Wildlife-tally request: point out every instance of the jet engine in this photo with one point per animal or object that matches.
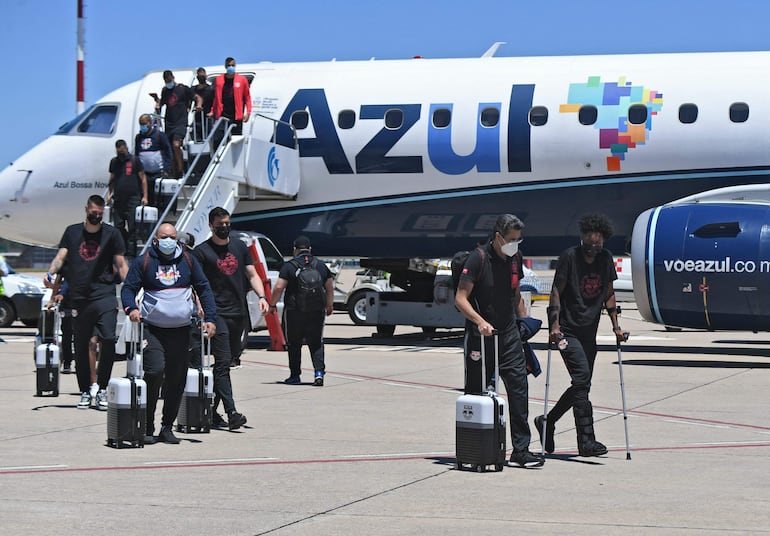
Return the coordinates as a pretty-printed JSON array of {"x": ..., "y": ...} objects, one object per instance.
[{"x": 704, "y": 261}]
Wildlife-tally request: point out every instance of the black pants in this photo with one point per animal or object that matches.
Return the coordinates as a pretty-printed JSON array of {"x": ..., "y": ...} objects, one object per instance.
[
  {"x": 226, "y": 341},
  {"x": 513, "y": 372},
  {"x": 166, "y": 359},
  {"x": 95, "y": 318},
  {"x": 578, "y": 357},
  {"x": 124, "y": 216},
  {"x": 307, "y": 327},
  {"x": 67, "y": 350}
]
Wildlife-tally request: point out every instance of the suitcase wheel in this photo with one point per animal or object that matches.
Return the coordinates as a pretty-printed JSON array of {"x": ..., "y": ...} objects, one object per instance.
[
  {"x": 40, "y": 393},
  {"x": 481, "y": 468},
  {"x": 499, "y": 467},
  {"x": 56, "y": 392}
]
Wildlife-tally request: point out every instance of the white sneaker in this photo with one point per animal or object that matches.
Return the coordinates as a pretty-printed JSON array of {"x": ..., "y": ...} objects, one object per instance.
[
  {"x": 101, "y": 399},
  {"x": 85, "y": 401}
]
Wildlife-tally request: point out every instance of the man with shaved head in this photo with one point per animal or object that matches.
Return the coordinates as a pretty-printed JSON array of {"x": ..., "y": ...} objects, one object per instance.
[{"x": 168, "y": 274}]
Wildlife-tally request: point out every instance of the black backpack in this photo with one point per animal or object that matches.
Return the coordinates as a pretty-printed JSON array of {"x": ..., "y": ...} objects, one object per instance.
[
  {"x": 458, "y": 263},
  {"x": 311, "y": 292}
]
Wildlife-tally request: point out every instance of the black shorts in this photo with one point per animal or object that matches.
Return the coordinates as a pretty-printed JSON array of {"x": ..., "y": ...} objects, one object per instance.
[{"x": 176, "y": 132}]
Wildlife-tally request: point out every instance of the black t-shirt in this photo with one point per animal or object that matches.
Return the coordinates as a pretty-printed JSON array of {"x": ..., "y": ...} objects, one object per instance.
[
  {"x": 206, "y": 93},
  {"x": 177, "y": 101},
  {"x": 228, "y": 99},
  {"x": 88, "y": 268},
  {"x": 289, "y": 271},
  {"x": 585, "y": 287},
  {"x": 225, "y": 268},
  {"x": 494, "y": 293},
  {"x": 126, "y": 178}
]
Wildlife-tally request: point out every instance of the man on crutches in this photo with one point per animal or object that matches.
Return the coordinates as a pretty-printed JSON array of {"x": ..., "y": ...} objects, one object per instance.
[{"x": 582, "y": 285}]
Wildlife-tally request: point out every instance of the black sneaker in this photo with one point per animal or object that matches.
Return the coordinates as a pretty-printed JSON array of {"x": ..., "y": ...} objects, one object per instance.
[
  {"x": 524, "y": 458},
  {"x": 236, "y": 363},
  {"x": 292, "y": 380},
  {"x": 218, "y": 421},
  {"x": 592, "y": 448},
  {"x": 550, "y": 429},
  {"x": 66, "y": 368},
  {"x": 150, "y": 440},
  {"x": 167, "y": 436},
  {"x": 235, "y": 420}
]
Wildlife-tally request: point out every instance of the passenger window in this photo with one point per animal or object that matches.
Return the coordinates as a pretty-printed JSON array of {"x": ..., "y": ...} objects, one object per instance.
[
  {"x": 394, "y": 119},
  {"x": 300, "y": 119},
  {"x": 637, "y": 114},
  {"x": 346, "y": 119},
  {"x": 688, "y": 113},
  {"x": 441, "y": 117},
  {"x": 538, "y": 116},
  {"x": 101, "y": 120},
  {"x": 588, "y": 114},
  {"x": 490, "y": 117},
  {"x": 739, "y": 112}
]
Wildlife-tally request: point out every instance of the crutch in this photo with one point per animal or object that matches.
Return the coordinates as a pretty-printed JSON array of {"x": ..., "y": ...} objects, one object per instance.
[
  {"x": 545, "y": 402},
  {"x": 623, "y": 396}
]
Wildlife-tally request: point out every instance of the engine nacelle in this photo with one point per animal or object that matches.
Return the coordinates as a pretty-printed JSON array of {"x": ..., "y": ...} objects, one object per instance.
[{"x": 703, "y": 265}]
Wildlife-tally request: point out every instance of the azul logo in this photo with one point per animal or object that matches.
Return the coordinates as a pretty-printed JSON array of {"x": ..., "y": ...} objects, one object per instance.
[
  {"x": 611, "y": 101},
  {"x": 373, "y": 157},
  {"x": 272, "y": 167}
]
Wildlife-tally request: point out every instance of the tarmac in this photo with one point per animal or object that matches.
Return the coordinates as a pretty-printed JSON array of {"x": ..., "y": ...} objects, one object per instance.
[{"x": 373, "y": 450}]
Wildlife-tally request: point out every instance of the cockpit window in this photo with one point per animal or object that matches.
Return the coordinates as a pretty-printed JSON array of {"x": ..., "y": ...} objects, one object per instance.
[
  {"x": 98, "y": 119},
  {"x": 66, "y": 127}
]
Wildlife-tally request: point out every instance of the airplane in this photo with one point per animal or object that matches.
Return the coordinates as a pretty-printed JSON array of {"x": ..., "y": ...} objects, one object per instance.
[{"x": 396, "y": 159}]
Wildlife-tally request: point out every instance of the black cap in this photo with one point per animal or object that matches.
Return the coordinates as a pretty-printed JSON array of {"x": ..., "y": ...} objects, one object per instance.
[{"x": 302, "y": 242}]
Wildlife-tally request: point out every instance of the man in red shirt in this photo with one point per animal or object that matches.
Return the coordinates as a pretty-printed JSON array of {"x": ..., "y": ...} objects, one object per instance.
[{"x": 231, "y": 97}]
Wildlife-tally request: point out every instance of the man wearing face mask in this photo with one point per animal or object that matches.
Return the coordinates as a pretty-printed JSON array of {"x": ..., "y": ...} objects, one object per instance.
[
  {"x": 177, "y": 99},
  {"x": 232, "y": 97},
  {"x": 167, "y": 273},
  {"x": 88, "y": 255},
  {"x": 582, "y": 285},
  {"x": 204, "y": 98},
  {"x": 128, "y": 189},
  {"x": 152, "y": 148},
  {"x": 488, "y": 296},
  {"x": 229, "y": 267}
]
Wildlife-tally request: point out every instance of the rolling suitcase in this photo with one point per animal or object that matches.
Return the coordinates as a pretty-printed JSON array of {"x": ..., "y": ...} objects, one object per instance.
[
  {"x": 47, "y": 353},
  {"x": 127, "y": 407},
  {"x": 480, "y": 419},
  {"x": 196, "y": 409},
  {"x": 146, "y": 218},
  {"x": 164, "y": 192}
]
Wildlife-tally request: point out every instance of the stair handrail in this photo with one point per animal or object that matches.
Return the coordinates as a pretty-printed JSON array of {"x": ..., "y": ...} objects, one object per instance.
[{"x": 216, "y": 157}]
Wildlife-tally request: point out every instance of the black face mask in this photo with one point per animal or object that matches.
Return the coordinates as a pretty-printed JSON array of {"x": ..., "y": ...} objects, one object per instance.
[
  {"x": 201, "y": 79},
  {"x": 590, "y": 250},
  {"x": 122, "y": 156},
  {"x": 222, "y": 232},
  {"x": 94, "y": 219}
]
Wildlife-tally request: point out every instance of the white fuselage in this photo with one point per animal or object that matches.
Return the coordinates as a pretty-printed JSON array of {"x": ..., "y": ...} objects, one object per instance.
[{"x": 416, "y": 179}]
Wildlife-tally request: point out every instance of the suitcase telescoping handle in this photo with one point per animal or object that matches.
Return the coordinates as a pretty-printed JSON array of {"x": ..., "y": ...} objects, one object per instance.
[
  {"x": 205, "y": 346},
  {"x": 56, "y": 324},
  {"x": 137, "y": 347},
  {"x": 492, "y": 387}
]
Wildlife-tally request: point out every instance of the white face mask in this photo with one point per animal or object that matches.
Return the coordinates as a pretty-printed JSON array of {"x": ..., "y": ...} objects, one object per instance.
[{"x": 510, "y": 249}]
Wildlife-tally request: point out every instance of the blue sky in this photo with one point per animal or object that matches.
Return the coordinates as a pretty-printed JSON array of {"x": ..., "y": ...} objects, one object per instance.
[{"x": 126, "y": 39}]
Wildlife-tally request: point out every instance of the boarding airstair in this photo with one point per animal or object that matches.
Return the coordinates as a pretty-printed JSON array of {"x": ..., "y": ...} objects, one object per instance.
[{"x": 252, "y": 166}]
